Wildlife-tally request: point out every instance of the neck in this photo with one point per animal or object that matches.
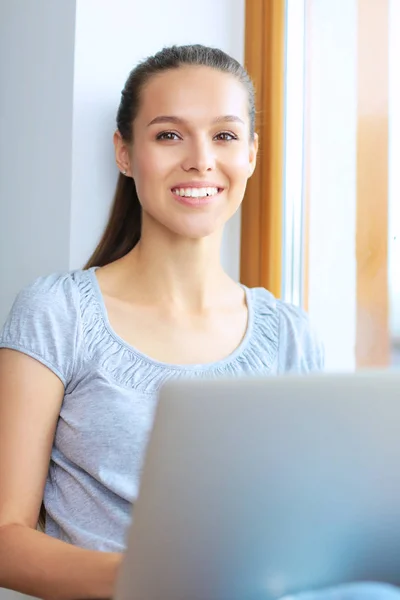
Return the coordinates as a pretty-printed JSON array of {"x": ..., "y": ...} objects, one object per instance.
[{"x": 185, "y": 273}]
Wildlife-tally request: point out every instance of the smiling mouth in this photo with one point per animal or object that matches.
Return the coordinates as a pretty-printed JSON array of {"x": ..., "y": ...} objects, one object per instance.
[
  {"x": 196, "y": 193},
  {"x": 196, "y": 197}
]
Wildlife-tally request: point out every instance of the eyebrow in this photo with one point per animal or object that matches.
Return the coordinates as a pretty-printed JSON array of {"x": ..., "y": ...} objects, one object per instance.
[{"x": 179, "y": 121}]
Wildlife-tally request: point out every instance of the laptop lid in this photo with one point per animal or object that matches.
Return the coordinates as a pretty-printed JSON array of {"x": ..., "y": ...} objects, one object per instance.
[{"x": 257, "y": 488}]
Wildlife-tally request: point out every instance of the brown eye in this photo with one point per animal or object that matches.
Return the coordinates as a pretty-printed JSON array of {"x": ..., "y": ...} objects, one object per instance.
[
  {"x": 170, "y": 136},
  {"x": 226, "y": 136}
]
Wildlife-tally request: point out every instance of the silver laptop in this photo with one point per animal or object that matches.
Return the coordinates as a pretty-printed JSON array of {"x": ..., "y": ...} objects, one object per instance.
[{"x": 257, "y": 488}]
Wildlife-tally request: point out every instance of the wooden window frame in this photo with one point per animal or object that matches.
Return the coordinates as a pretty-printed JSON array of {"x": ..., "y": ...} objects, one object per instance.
[
  {"x": 372, "y": 252},
  {"x": 262, "y": 214}
]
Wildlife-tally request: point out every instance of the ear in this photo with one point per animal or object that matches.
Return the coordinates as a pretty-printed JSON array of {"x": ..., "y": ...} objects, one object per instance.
[
  {"x": 253, "y": 154},
  {"x": 122, "y": 156}
]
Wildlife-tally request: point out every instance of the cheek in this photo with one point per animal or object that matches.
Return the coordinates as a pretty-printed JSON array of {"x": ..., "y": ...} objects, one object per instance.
[
  {"x": 142, "y": 175},
  {"x": 238, "y": 166},
  {"x": 145, "y": 167},
  {"x": 148, "y": 171}
]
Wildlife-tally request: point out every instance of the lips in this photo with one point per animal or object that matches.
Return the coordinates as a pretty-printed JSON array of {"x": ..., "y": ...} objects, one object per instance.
[
  {"x": 201, "y": 192},
  {"x": 196, "y": 189},
  {"x": 196, "y": 197},
  {"x": 197, "y": 184}
]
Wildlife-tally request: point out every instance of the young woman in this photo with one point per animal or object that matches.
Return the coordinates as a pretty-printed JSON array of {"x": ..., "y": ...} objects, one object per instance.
[{"x": 85, "y": 353}]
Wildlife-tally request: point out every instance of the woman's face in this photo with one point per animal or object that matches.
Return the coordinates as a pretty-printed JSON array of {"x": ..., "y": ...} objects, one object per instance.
[{"x": 191, "y": 155}]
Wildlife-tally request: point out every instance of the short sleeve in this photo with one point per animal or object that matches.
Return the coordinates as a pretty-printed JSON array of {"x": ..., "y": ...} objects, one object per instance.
[
  {"x": 300, "y": 348},
  {"x": 44, "y": 323}
]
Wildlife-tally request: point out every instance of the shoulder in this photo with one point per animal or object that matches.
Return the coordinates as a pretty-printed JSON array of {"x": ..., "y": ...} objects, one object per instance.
[
  {"x": 299, "y": 347},
  {"x": 59, "y": 287},
  {"x": 44, "y": 322},
  {"x": 53, "y": 298}
]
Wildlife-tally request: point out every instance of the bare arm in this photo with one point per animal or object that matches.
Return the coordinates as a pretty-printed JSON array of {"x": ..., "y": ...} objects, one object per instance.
[{"x": 30, "y": 561}]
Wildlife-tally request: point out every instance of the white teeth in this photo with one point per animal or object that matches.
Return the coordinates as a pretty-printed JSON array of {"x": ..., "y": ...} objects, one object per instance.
[{"x": 195, "y": 192}]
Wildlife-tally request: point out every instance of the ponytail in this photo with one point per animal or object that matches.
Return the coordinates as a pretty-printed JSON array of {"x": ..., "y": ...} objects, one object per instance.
[{"x": 123, "y": 228}]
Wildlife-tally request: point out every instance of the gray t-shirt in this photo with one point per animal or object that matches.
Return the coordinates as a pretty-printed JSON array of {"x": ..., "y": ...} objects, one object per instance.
[{"x": 111, "y": 392}]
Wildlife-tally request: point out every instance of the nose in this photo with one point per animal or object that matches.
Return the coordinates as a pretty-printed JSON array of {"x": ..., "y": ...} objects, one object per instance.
[{"x": 199, "y": 157}]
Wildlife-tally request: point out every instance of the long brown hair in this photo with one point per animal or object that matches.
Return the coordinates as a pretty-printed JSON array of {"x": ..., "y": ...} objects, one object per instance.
[{"x": 123, "y": 229}]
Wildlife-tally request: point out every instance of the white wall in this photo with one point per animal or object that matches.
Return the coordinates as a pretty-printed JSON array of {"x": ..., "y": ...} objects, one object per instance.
[
  {"x": 36, "y": 78},
  {"x": 394, "y": 167},
  {"x": 332, "y": 292},
  {"x": 62, "y": 88}
]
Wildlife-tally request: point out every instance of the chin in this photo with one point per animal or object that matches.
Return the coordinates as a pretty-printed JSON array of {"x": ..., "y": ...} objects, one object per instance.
[
  {"x": 197, "y": 229},
  {"x": 197, "y": 233},
  {"x": 193, "y": 227}
]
